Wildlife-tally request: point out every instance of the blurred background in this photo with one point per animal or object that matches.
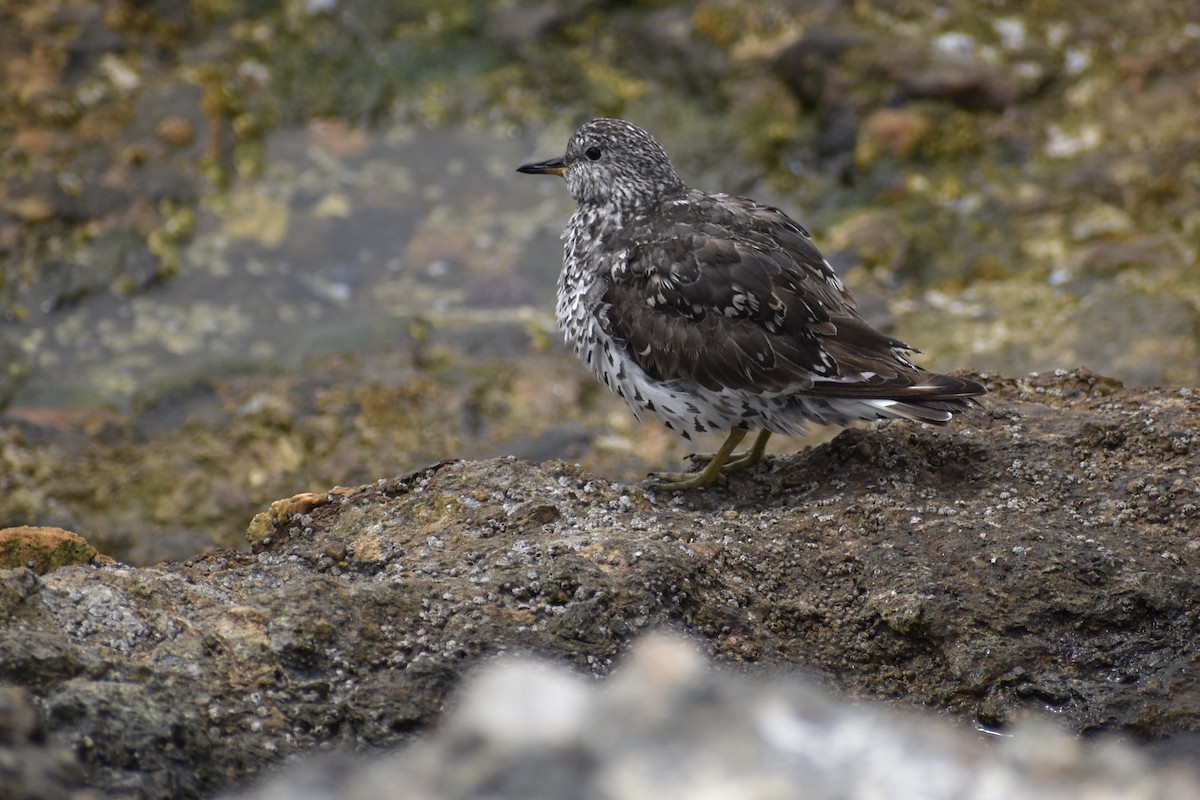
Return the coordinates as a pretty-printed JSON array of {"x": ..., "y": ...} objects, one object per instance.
[{"x": 253, "y": 248}]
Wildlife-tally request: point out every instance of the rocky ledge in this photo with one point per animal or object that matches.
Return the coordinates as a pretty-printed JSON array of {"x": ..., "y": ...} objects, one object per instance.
[{"x": 1041, "y": 556}]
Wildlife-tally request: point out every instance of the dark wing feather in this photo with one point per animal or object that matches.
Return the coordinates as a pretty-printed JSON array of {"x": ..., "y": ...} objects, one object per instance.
[{"x": 727, "y": 293}]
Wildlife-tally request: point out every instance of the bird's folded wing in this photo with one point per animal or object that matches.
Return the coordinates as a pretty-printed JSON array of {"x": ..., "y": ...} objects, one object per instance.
[{"x": 733, "y": 295}]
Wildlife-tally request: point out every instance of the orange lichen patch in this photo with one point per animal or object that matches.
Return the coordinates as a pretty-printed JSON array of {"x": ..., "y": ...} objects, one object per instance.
[
  {"x": 176, "y": 131},
  {"x": 87, "y": 422},
  {"x": 45, "y": 549},
  {"x": 31, "y": 209},
  {"x": 280, "y": 512},
  {"x": 895, "y": 131}
]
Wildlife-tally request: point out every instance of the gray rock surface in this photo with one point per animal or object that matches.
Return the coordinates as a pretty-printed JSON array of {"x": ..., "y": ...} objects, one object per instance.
[
  {"x": 1040, "y": 557},
  {"x": 29, "y": 769}
]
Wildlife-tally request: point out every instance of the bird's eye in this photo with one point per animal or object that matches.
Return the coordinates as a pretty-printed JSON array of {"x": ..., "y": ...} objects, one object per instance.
[{"x": 592, "y": 152}]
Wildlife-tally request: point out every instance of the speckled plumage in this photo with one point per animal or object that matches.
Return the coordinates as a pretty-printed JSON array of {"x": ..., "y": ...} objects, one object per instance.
[{"x": 717, "y": 313}]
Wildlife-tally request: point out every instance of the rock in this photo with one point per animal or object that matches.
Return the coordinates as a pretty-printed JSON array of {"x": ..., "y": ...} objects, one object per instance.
[
  {"x": 875, "y": 239},
  {"x": 808, "y": 67},
  {"x": 45, "y": 549},
  {"x": 1037, "y": 557},
  {"x": 264, "y": 524},
  {"x": 118, "y": 261},
  {"x": 29, "y": 770},
  {"x": 969, "y": 88},
  {"x": 813, "y": 71},
  {"x": 175, "y": 130},
  {"x": 667, "y": 724},
  {"x": 33, "y": 209},
  {"x": 897, "y": 132}
]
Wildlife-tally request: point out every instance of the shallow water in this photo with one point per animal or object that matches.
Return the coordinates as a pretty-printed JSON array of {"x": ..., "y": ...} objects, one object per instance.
[{"x": 347, "y": 239}]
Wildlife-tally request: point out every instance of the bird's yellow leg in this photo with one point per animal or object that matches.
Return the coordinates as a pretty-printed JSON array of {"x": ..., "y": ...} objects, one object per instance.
[
  {"x": 738, "y": 460},
  {"x": 751, "y": 456},
  {"x": 711, "y": 472}
]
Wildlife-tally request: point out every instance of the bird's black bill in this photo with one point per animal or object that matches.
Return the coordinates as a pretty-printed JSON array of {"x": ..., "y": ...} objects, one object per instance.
[{"x": 553, "y": 166}]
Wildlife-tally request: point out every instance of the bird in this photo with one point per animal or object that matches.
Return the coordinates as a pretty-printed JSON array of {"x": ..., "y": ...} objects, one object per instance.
[{"x": 716, "y": 313}]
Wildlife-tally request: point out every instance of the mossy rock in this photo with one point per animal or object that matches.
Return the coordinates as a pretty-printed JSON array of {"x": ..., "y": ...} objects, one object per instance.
[{"x": 45, "y": 549}]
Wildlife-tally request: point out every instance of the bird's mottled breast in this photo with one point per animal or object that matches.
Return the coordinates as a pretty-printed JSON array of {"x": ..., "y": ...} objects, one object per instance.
[{"x": 592, "y": 252}]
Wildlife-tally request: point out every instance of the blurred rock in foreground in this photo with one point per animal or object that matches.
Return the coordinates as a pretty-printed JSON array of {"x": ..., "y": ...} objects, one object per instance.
[{"x": 668, "y": 725}]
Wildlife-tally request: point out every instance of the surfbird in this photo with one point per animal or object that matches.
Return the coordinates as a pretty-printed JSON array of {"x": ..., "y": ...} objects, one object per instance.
[{"x": 717, "y": 313}]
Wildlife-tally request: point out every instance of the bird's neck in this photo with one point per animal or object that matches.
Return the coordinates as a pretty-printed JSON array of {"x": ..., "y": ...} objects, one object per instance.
[{"x": 624, "y": 205}]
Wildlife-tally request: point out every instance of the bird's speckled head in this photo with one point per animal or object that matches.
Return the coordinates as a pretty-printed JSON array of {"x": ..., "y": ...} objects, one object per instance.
[{"x": 611, "y": 162}]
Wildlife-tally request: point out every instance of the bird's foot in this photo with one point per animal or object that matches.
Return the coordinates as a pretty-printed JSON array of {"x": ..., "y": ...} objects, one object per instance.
[
  {"x": 683, "y": 481},
  {"x": 736, "y": 461},
  {"x": 716, "y": 466}
]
